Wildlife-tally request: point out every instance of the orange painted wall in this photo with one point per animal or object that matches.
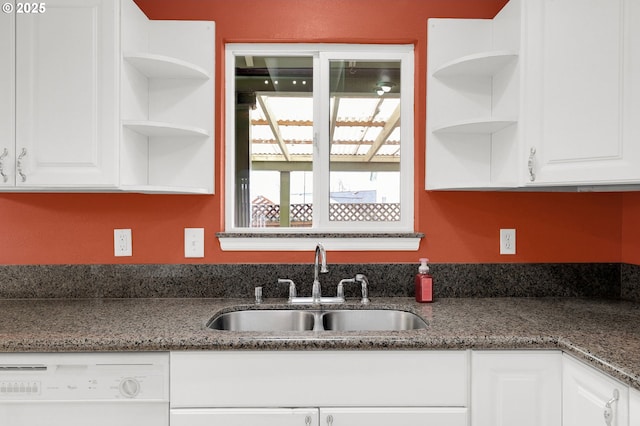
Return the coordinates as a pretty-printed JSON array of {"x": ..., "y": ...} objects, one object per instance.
[
  {"x": 459, "y": 227},
  {"x": 631, "y": 228}
]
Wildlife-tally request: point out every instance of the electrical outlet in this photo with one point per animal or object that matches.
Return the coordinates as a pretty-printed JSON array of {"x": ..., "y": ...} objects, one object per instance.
[
  {"x": 507, "y": 241},
  {"x": 122, "y": 242},
  {"x": 193, "y": 242}
]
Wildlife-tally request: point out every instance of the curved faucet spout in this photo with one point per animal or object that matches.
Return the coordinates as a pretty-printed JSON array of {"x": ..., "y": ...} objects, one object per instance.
[{"x": 320, "y": 262}]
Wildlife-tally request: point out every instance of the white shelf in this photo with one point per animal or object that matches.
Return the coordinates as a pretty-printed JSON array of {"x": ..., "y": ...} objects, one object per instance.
[
  {"x": 475, "y": 127},
  {"x": 479, "y": 64},
  {"x": 158, "y": 129},
  {"x": 160, "y": 66}
]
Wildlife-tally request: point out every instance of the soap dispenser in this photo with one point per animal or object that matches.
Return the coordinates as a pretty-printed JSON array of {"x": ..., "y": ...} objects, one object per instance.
[{"x": 424, "y": 283}]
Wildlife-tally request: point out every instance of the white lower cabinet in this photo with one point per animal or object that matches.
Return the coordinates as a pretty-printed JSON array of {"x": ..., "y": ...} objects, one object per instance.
[
  {"x": 353, "y": 416},
  {"x": 591, "y": 398},
  {"x": 396, "y": 416},
  {"x": 634, "y": 407},
  {"x": 348, "y": 388},
  {"x": 516, "y": 388},
  {"x": 399, "y": 388},
  {"x": 245, "y": 416}
]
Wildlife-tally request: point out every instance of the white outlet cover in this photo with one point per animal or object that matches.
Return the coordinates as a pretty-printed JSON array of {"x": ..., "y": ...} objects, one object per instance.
[
  {"x": 507, "y": 241},
  {"x": 122, "y": 242},
  {"x": 193, "y": 242}
]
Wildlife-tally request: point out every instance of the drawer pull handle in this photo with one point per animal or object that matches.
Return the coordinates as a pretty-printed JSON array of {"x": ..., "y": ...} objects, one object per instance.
[
  {"x": 307, "y": 420},
  {"x": 4, "y": 176},
  {"x": 608, "y": 407},
  {"x": 23, "y": 153},
  {"x": 329, "y": 420},
  {"x": 531, "y": 164}
]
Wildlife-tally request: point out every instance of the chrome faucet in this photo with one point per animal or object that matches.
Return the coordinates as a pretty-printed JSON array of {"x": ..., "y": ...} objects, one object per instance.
[
  {"x": 320, "y": 262},
  {"x": 365, "y": 288},
  {"x": 292, "y": 288}
]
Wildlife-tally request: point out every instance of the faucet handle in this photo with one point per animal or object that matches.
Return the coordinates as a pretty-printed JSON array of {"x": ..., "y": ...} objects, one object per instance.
[
  {"x": 292, "y": 287},
  {"x": 340, "y": 293},
  {"x": 365, "y": 288}
]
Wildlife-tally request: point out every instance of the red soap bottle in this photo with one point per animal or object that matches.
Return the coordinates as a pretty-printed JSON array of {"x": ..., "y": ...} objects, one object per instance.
[{"x": 424, "y": 283}]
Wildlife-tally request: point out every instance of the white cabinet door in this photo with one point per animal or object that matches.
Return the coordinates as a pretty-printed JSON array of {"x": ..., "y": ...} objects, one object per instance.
[
  {"x": 244, "y": 417},
  {"x": 66, "y": 126},
  {"x": 587, "y": 392},
  {"x": 7, "y": 98},
  {"x": 516, "y": 387},
  {"x": 393, "y": 416},
  {"x": 577, "y": 76},
  {"x": 634, "y": 407}
]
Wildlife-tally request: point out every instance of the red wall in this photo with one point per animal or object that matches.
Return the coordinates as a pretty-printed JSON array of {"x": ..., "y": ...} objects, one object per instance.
[
  {"x": 631, "y": 228},
  {"x": 459, "y": 227}
]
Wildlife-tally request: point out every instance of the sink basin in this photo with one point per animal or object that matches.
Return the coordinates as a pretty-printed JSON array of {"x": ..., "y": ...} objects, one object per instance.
[
  {"x": 371, "y": 320},
  {"x": 317, "y": 320},
  {"x": 263, "y": 320}
]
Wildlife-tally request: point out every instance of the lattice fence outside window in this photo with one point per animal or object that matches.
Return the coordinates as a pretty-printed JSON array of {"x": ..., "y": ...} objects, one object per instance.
[{"x": 301, "y": 214}]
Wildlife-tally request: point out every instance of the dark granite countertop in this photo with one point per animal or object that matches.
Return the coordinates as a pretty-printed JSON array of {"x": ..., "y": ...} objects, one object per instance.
[{"x": 605, "y": 333}]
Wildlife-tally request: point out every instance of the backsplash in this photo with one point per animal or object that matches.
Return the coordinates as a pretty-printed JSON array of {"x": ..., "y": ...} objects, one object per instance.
[
  {"x": 630, "y": 282},
  {"x": 604, "y": 280}
]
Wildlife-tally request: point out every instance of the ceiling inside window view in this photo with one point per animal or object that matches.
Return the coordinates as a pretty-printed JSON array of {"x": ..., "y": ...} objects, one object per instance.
[{"x": 364, "y": 111}]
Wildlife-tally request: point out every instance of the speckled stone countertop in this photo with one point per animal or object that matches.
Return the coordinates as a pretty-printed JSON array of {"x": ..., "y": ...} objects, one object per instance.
[{"x": 605, "y": 333}]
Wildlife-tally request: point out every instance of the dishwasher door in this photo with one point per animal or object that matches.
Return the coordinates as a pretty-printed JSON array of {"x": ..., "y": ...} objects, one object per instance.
[
  {"x": 84, "y": 413},
  {"x": 84, "y": 389}
]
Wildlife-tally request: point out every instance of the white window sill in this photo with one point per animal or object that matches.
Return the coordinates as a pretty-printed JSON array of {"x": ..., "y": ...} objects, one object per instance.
[{"x": 307, "y": 242}]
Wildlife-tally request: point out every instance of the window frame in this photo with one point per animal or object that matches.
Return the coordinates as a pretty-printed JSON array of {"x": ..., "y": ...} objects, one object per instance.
[{"x": 323, "y": 54}]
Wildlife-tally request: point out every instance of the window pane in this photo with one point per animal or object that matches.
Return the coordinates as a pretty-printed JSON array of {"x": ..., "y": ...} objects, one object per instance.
[
  {"x": 274, "y": 141},
  {"x": 364, "y": 161}
]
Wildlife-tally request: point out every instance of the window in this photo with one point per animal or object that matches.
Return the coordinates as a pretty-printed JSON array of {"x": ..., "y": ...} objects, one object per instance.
[{"x": 319, "y": 138}]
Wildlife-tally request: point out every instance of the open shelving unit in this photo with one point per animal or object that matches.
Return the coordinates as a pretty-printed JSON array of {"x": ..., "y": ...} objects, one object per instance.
[
  {"x": 473, "y": 99},
  {"x": 167, "y": 110}
]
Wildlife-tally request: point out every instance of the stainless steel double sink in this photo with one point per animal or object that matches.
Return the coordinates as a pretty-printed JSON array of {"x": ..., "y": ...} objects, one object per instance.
[{"x": 267, "y": 320}]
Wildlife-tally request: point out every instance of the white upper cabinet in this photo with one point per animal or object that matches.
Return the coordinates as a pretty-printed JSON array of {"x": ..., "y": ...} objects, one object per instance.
[
  {"x": 579, "y": 96},
  {"x": 115, "y": 102},
  {"x": 7, "y": 99},
  {"x": 541, "y": 95},
  {"x": 61, "y": 93}
]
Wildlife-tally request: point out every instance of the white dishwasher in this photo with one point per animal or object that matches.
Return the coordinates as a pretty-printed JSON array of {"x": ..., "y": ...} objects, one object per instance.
[{"x": 80, "y": 389}]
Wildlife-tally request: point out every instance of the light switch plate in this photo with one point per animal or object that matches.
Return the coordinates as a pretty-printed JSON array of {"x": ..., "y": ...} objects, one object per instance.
[{"x": 193, "y": 242}]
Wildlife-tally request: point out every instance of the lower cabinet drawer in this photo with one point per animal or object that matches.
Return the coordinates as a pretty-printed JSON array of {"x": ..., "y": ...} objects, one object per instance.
[
  {"x": 330, "y": 416},
  {"x": 244, "y": 417},
  {"x": 319, "y": 379}
]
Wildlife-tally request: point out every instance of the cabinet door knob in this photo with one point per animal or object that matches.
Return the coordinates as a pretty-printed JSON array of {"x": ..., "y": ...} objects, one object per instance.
[
  {"x": 307, "y": 420},
  {"x": 531, "y": 164},
  {"x": 4, "y": 176},
  {"x": 23, "y": 176},
  {"x": 329, "y": 420},
  {"x": 608, "y": 407}
]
